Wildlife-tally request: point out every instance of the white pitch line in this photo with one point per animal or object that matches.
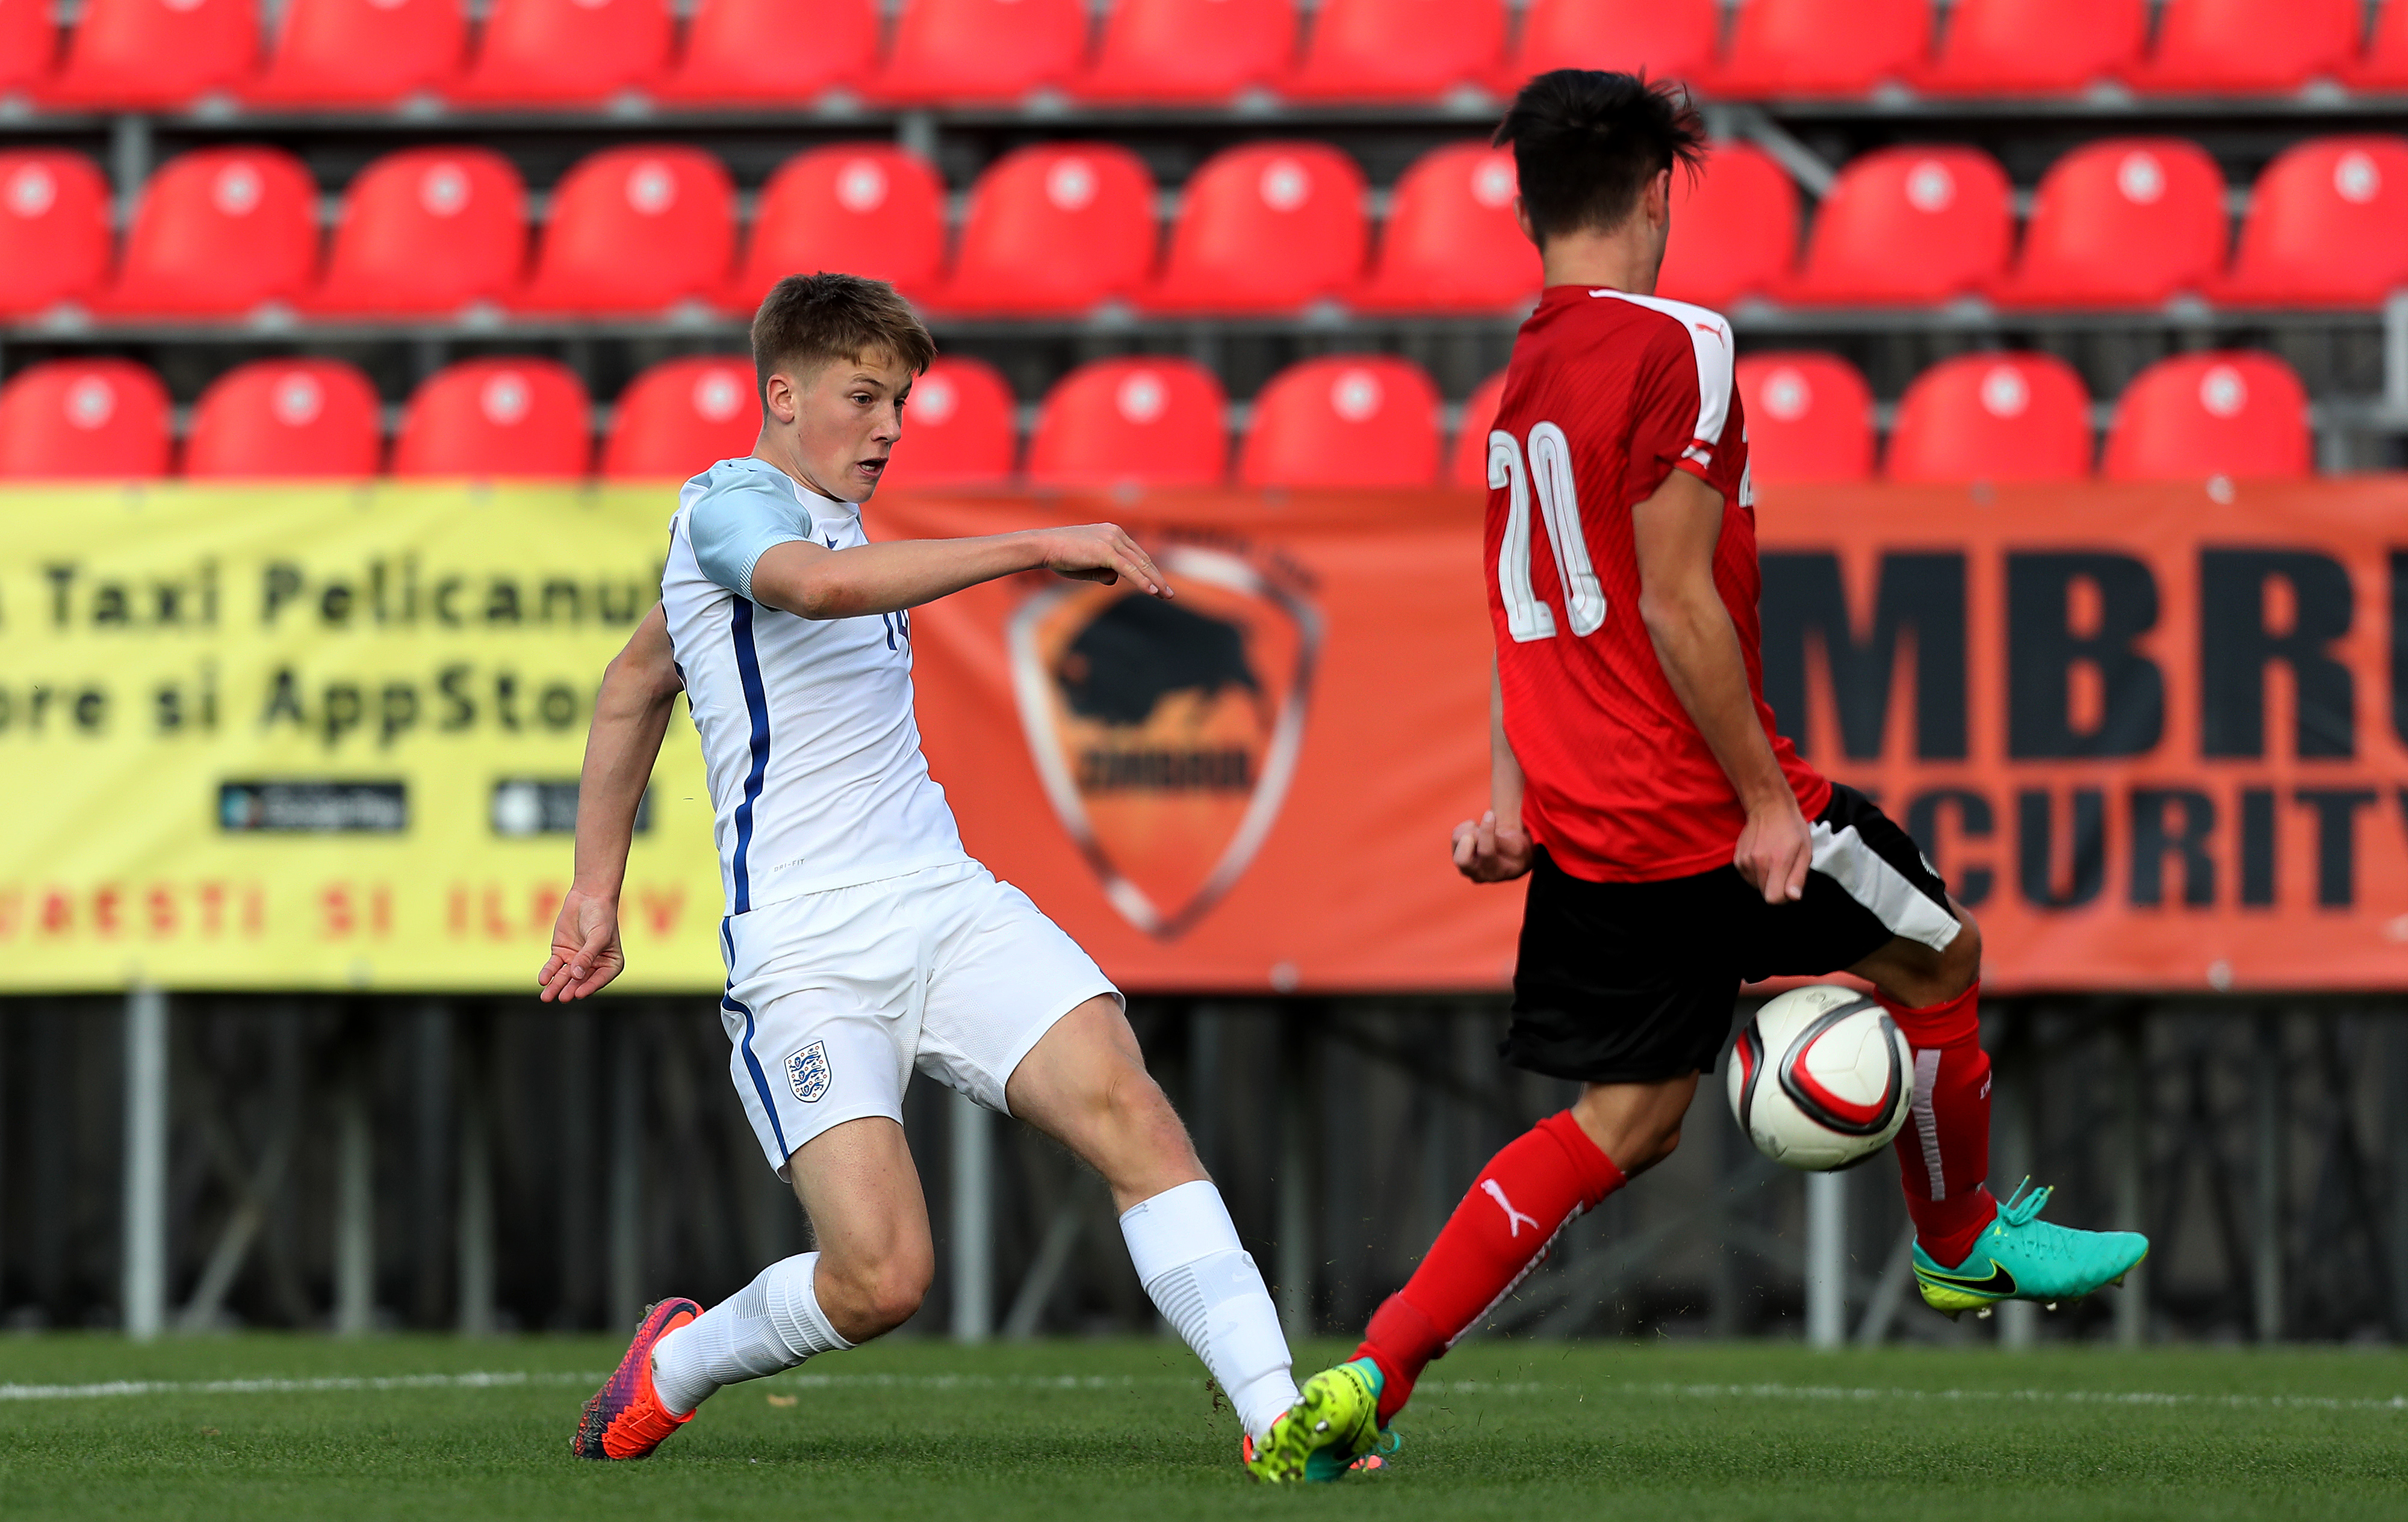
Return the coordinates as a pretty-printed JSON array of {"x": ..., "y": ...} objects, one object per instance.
[
  {"x": 475, "y": 1381},
  {"x": 1865, "y": 1393},
  {"x": 494, "y": 1379}
]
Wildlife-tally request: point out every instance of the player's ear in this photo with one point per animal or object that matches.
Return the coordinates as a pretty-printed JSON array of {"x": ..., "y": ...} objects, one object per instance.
[
  {"x": 1659, "y": 197},
  {"x": 779, "y": 398},
  {"x": 1521, "y": 219}
]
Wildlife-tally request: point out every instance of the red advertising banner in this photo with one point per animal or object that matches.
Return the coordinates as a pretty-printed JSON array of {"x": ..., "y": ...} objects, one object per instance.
[{"x": 2157, "y": 737}]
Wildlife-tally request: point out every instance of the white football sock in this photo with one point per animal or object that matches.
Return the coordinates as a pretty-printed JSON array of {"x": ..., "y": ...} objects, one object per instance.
[
  {"x": 773, "y": 1323},
  {"x": 1187, "y": 1252}
]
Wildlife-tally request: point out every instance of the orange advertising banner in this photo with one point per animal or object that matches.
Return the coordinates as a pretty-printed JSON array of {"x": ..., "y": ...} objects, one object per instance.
[{"x": 2156, "y": 737}]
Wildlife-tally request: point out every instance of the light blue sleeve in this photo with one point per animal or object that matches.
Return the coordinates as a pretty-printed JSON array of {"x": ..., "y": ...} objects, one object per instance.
[{"x": 736, "y": 522}]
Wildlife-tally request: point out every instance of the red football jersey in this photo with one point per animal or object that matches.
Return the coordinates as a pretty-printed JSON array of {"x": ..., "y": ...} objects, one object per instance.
[{"x": 1608, "y": 393}]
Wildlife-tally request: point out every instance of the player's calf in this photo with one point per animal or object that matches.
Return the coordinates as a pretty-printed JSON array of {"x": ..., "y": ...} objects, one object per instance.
[{"x": 1084, "y": 1084}]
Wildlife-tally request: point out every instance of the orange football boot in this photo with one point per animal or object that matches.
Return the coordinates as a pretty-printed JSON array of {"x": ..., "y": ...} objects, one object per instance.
[{"x": 624, "y": 1419}]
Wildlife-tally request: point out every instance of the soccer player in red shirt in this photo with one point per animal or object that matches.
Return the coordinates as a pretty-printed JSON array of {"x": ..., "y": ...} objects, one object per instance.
[{"x": 1676, "y": 846}]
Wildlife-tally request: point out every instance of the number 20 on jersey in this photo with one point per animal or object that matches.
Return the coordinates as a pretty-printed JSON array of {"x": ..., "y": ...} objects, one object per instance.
[{"x": 1549, "y": 471}]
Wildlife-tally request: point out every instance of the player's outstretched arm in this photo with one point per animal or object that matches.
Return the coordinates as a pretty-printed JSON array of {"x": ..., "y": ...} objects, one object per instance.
[
  {"x": 813, "y": 582},
  {"x": 631, "y": 714},
  {"x": 1494, "y": 848},
  {"x": 1674, "y": 533}
]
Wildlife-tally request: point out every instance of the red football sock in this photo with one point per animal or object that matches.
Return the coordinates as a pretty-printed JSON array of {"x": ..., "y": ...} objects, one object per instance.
[
  {"x": 1943, "y": 1154},
  {"x": 1535, "y": 1188}
]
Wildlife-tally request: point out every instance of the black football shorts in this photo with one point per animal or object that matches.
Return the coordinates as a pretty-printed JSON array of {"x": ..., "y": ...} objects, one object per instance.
[{"x": 1634, "y": 982}]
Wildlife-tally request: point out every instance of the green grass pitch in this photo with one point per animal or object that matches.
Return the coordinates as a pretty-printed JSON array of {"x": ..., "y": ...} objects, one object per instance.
[{"x": 302, "y": 1426}]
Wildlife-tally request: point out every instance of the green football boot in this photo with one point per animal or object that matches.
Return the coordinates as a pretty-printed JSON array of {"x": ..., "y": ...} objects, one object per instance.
[
  {"x": 2021, "y": 1257},
  {"x": 1333, "y": 1428}
]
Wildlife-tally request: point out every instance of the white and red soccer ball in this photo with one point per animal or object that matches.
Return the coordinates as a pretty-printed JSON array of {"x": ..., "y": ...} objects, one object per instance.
[{"x": 1821, "y": 1078}]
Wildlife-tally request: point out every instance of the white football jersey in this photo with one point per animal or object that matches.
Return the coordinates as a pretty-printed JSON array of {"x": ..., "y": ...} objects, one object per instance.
[{"x": 807, "y": 733}]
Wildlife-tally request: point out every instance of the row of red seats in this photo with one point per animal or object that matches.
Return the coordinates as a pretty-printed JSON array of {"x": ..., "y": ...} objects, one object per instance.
[
  {"x": 2026, "y": 417},
  {"x": 1266, "y": 227},
  {"x": 1050, "y": 229},
  {"x": 167, "y": 53},
  {"x": 1349, "y": 421},
  {"x": 2121, "y": 222}
]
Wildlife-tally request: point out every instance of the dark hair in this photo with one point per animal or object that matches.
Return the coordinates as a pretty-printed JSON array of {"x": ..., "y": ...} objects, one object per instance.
[
  {"x": 1585, "y": 143},
  {"x": 813, "y": 319}
]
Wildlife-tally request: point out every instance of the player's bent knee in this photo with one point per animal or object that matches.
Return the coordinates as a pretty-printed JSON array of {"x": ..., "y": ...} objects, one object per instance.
[{"x": 868, "y": 1299}]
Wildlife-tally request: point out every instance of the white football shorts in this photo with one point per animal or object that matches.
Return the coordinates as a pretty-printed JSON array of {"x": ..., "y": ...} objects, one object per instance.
[{"x": 834, "y": 997}]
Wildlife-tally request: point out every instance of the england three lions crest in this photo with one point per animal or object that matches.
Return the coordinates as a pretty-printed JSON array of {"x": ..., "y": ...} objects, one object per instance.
[
  {"x": 1166, "y": 734},
  {"x": 806, "y": 1072}
]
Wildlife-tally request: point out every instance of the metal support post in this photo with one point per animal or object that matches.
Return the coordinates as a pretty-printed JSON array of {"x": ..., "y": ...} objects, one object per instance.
[
  {"x": 1826, "y": 1259},
  {"x": 973, "y": 1224},
  {"x": 145, "y": 1287},
  {"x": 354, "y": 1201},
  {"x": 2395, "y": 357},
  {"x": 1723, "y": 1276},
  {"x": 2018, "y": 1319},
  {"x": 2395, "y": 1126},
  {"x": 627, "y": 1227},
  {"x": 2266, "y": 1195},
  {"x": 476, "y": 1204},
  {"x": 1206, "y": 1025},
  {"x": 2130, "y": 1166},
  {"x": 1295, "y": 1179},
  {"x": 129, "y": 164}
]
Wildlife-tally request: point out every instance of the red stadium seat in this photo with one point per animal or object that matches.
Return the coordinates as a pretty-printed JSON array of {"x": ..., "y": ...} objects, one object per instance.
[
  {"x": 28, "y": 43},
  {"x": 743, "y": 51},
  {"x": 1469, "y": 463},
  {"x": 286, "y": 417},
  {"x": 1188, "y": 51},
  {"x": 148, "y": 53},
  {"x": 2122, "y": 222},
  {"x": 1054, "y": 229},
  {"x": 950, "y": 52},
  {"x": 2035, "y": 47},
  {"x": 426, "y": 230},
  {"x": 1809, "y": 418},
  {"x": 2383, "y": 68},
  {"x": 219, "y": 231},
  {"x": 1909, "y": 226},
  {"x": 636, "y": 229},
  {"x": 1734, "y": 228},
  {"x": 871, "y": 208},
  {"x": 497, "y": 418},
  {"x": 362, "y": 52},
  {"x": 553, "y": 52},
  {"x": 959, "y": 428},
  {"x": 2236, "y": 413},
  {"x": 2247, "y": 47},
  {"x": 682, "y": 417},
  {"x": 1823, "y": 46},
  {"x": 2328, "y": 226},
  {"x": 1265, "y": 228},
  {"x": 1398, "y": 49},
  {"x": 1671, "y": 39},
  {"x": 53, "y": 229},
  {"x": 1349, "y": 419},
  {"x": 1451, "y": 244},
  {"x": 1151, "y": 421},
  {"x": 1993, "y": 418},
  {"x": 82, "y": 419}
]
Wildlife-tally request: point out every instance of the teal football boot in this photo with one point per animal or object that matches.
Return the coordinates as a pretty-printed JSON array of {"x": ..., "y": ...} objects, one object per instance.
[{"x": 2021, "y": 1257}]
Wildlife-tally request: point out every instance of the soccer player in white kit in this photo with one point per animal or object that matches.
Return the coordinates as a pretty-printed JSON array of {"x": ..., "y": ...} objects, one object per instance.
[{"x": 861, "y": 940}]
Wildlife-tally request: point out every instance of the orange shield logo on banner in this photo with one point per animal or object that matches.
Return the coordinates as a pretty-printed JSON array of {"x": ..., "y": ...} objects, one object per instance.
[{"x": 1166, "y": 733}]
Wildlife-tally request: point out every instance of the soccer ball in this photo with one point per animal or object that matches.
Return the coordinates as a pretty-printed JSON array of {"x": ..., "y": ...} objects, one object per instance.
[{"x": 1821, "y": 1078}]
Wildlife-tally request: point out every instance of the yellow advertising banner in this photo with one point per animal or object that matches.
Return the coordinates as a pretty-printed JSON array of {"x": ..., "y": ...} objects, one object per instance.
[{"x": 324, "y": 737}]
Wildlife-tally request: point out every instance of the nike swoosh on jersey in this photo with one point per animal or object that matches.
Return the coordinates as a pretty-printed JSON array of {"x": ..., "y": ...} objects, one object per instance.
[{"x": 1999, "y": 1283}]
